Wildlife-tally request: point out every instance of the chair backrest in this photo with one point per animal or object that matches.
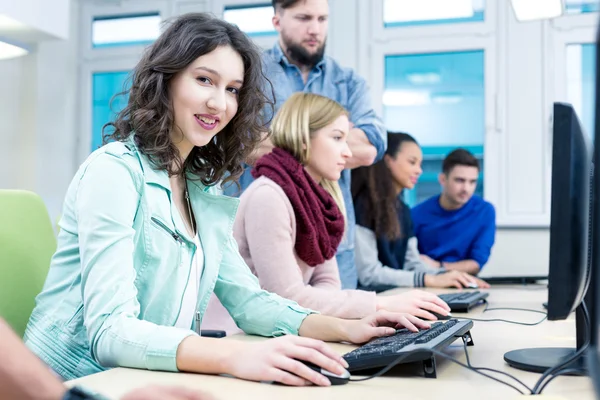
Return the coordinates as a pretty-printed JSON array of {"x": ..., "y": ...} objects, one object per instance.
[{"x": 27, "y": 243}]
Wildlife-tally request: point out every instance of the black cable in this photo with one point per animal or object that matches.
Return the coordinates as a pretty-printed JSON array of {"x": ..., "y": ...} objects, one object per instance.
[
  {"x": 516, "y": 309},
  {"x": 493, "y": 370},
  {"x": 507, "y": 321},
  {"x": 559, "y": 373},
  {"x": 486, "y": 309},
  {"x": 386, "y": 368},
  {"x": 573, "y": 358},
  {"x": 487, "y": 304},
  {"x": 467, "y": 354},
  {"x": 454, "y": 360}
]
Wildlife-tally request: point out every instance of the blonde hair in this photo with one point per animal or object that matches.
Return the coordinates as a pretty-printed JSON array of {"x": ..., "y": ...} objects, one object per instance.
[{"x": 296, "y": 123}]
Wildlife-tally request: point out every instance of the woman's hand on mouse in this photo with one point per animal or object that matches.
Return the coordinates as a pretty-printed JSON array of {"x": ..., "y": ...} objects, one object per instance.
[
  {"x": 457, "y": 279},
  {"x": 278, "y": 360},
  {"x": 415, "y": 302},
  {"x": 382, "y": 323}
]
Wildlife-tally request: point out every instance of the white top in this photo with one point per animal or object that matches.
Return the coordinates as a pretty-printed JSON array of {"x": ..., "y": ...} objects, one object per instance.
[{"x": 190, "y": 296}]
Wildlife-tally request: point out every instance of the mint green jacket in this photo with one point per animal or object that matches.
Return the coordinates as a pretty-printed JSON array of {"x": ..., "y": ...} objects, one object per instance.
[{"x": 116, "y": 282}]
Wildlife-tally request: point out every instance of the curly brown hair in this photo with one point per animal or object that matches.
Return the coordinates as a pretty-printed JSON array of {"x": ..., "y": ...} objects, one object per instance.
[
  {"x": 375, "y": 196},
  {"x": 149, "y": 112}
]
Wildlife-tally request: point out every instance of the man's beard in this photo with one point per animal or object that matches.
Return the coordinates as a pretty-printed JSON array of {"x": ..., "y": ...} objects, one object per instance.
[{"x": 301, "y": 56}]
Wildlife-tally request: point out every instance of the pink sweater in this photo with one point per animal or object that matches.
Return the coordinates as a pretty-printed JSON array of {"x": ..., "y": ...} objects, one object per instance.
[{"x": 265, "y": 230}]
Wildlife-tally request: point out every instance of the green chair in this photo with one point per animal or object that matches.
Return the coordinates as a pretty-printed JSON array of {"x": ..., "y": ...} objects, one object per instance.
[{"x": 27, "y": 242}]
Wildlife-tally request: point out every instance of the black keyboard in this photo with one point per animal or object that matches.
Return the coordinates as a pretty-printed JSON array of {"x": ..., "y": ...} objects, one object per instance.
[
  {"x": 464, "y": 301},
  {"x": 382, "y": 351}
]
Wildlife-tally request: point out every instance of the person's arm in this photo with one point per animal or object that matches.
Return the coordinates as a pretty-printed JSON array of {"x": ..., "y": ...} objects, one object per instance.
[
  {"x": 279, "y": 359},
  {"x": 268, "y": 230},
  {"x": 368, "y": 138},
  {"x": 106, "y": 202},
  {"x": 372, "y": 272},
  {"x": 414, "y": 262},
  {"x": 22, "y": 374},
  {"x": 327, "y": 276},
  {"x": 468, "y": 266},
  {"x": 363, "y": 152}
]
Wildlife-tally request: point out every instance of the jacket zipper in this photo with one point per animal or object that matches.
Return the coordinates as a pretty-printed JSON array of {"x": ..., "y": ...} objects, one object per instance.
[
  {"x": 198, "y": 321},
  {"x": 166, "y": 229}
]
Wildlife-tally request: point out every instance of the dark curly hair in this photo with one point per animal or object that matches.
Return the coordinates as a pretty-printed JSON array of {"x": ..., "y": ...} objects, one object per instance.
[
  {"x": 149, "y": 111},
  {"x": 374, "y": 194}
]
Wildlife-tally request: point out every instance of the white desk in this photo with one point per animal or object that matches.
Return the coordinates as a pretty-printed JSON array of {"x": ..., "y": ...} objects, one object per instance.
[{"x": 491, "y": 339}]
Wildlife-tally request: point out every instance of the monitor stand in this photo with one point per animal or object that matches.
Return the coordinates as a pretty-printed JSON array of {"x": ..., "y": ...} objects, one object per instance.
[{"x": 541, "y": 359}]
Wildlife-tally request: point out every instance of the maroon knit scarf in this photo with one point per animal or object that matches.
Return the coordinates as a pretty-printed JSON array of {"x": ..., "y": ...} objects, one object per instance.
[{"x": 319, "y": 221}]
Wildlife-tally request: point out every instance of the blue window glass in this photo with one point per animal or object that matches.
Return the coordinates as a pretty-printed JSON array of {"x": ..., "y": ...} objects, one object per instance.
[
  {"x": 439, "y": 98},
  {"x": 125, "y": 30},
  {"x": 398, "y": 13},
  {"x": 105, "y": 85},
  {"x": 581, "y": 6},
  {"x": 254, "y": 20},
  {"x": 581, "y": 82}
]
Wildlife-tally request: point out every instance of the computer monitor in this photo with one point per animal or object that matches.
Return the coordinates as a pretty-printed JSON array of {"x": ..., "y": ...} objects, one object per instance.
[
  {"x": 593, "y": 353},
  {"x": 570, "y": 232}
]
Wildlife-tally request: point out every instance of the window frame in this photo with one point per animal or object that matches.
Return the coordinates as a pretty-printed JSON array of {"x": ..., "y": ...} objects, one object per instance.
[
  {"x": 563, "y": 36},
  {"x": 98, "y": 18},
  {"x": 94, "y": 10},
  {"x": 479, "y": 28},
  {"x": 254, "y": 35},
  {"x": 562, "y": 32},
  {"x": 218, "y": 9},
  {"x": 84, "y": 140}
]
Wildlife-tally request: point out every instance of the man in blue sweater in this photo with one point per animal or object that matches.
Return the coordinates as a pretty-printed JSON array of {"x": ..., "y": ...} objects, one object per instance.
[{"x": 456, "y": 230}]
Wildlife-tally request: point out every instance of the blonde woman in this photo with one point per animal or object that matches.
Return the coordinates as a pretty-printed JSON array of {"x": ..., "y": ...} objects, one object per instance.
[{"x": 291, "y": 218}]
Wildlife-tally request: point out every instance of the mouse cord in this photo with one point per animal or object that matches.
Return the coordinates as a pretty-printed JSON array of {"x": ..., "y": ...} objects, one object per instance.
[
  {"x": 505, "y": 320},
  {"x": 486, "y": 309}
]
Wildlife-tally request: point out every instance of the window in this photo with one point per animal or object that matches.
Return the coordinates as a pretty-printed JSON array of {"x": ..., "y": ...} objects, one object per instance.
[
  {"x": 439, "y": 99},
  {"x": 105, "y": 85},
  {"x": 255, "y": 20},
  {"x": 125, "y": 30},
  {"x": 581, "y": 82},
  {"x": 581, "y": 6},
  {"x": 398, "y": 13}
]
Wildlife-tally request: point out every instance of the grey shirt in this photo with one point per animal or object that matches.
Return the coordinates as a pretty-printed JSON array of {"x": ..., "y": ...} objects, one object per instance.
[{"x": 372, "y": 273}]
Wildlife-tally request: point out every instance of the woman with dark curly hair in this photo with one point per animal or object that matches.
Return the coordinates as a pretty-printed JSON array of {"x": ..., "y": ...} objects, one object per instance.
[
  {"x": 145, "y": 238},
  {"x": 386, "y": 247}
]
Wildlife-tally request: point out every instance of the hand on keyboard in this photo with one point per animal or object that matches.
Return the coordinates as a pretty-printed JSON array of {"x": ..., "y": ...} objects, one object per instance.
[
  {"x": 382, "y": 323},
  {"x": 415, "y": 302},
  {"x": 455, "y": 279}
]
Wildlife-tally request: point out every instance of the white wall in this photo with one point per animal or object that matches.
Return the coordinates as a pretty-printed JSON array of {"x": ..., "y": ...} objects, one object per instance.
[
  {"x": 38, "y": 110},
  {"x": 17, "y": 109},
  {"x": 43, "y": 18}
]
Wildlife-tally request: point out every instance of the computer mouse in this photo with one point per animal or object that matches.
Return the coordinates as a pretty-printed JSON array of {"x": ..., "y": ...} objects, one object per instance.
[
  {"x": 333, "y": 378},
  {"x": 441, "y": 317},
  {"x": 472, "y": 285}
]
